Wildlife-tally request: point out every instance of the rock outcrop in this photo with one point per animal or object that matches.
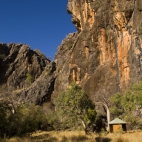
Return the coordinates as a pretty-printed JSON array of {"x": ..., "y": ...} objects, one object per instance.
[
  {"x": 105, "y": 54},
  {"x": 25, "y": 75}
]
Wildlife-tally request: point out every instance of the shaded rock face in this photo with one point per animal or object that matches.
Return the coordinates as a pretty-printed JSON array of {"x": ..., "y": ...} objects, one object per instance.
[
  {"x": 25, "y": 75},
  {"x": 105, "y": 56},
  {"x": 62, "y": 59}
]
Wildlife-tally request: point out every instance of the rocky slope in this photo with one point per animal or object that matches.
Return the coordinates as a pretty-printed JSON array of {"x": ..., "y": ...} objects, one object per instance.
[
  {"x": 25, "y": 75},
  {"x": 104, "y": 56}
]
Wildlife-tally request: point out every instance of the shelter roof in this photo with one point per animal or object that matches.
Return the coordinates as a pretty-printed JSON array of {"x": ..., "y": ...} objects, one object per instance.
[{"x": 117, "y": 121}]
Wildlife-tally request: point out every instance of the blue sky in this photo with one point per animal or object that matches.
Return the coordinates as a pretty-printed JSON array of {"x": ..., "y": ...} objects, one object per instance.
[{"x": 42, "y": 24}]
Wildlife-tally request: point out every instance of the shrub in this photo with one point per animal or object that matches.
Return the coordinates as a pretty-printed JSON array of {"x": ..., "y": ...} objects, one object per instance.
[
  {"x": 29, "y": 79},
  {"x": 27, "y": 118},
  {"x": 127, "y": 105}
]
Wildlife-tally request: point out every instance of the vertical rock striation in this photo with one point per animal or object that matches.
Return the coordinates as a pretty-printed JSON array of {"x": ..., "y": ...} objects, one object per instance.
[{"x": 106, "y": 54}]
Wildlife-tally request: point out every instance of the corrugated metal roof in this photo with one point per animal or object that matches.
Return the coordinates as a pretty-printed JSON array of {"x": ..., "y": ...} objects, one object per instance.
[{"x": 117, "y": 121}]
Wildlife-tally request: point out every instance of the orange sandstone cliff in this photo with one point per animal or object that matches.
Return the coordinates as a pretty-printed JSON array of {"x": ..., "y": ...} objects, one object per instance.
[{"x": 104, "y": 55}]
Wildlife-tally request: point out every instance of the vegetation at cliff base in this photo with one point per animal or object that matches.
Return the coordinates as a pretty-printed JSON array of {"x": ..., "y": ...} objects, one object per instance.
[
  {"x": 74, "y": 108},
  {"x": 24, "y": 119},
  {"x": 128, "y": 106},
  {"x": 73, "y": 111}
]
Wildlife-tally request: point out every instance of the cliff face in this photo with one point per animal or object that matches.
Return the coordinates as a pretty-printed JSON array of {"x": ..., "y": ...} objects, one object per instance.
[
  {"x": 105, "y": 55},
  {"x": 25, "y": 75}
]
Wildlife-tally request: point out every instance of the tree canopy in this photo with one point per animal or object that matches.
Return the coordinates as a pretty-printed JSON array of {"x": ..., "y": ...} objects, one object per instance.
[
  {"x": 127, "y": 105},
  {"x": 75, "y": 107}
]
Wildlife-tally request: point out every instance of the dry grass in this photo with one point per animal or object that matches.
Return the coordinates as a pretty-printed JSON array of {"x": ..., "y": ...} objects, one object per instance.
[{"x": 77, "y": 136}]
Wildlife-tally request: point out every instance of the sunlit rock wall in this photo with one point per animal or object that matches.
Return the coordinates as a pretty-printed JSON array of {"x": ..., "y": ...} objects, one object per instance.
[{"x": 105, "y": 54}]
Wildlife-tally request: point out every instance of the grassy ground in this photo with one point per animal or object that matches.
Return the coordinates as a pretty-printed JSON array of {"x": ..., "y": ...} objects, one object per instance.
[{"x": 76, "y": 136}]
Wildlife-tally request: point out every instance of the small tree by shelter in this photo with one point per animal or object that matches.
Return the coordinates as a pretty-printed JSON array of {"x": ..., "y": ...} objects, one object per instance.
[{"x": 75, "y": 107}]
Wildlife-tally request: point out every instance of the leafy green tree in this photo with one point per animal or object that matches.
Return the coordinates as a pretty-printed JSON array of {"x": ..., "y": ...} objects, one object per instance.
[
  {"x": 126, "y": 105},
  {"x": 27, "y": 118},
  {"x": 3, "y": 120},
  {"x": 6, "y": 111},
  {"x": 75, "y": 107},
  {"x": 116, "y": 109}
]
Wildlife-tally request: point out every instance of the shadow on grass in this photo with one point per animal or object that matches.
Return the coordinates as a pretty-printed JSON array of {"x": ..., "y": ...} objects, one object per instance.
[
  {"x": 51, "y": 139},
  {"x": 44, "y": 138},
  {"x": 101, "y": 139},
  {"x": 2, "y": 140},
  {"x": 78, "y": 139},
  {"x": 41, "y": 136},
  {"x": 64, "y": 139},
  {"x": 74, "y": 139}
]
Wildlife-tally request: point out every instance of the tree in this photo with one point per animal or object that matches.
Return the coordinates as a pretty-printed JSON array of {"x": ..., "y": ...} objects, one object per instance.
[
  {"x": 75, "y": 107},
  {"x": 104, "y": 101},
  {"x": 127, "y": 105},
  {"x": 116, "y": 108},
  {"x": 6, "y": 111},
  {"x": 26, "y": 118},
  {"x": 4, "y": 108}
]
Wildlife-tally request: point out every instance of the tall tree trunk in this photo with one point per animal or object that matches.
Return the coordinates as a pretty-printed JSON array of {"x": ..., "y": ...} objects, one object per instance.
[
  {"x": 84, "y": 126},
  {"x": 108, "y": 116},
  {"x": 108, "y": 113}
]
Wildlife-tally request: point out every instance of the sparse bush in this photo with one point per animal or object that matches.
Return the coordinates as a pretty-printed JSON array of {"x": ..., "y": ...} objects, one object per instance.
[
  {"x": 27, "y": 118},
  {"x": 29, "y": 79},
  {"x": 69, "y": 46},
  {"x": 48, "y": 70}
]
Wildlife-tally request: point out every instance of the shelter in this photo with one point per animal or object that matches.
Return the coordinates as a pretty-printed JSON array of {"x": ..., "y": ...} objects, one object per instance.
[{"x": 117, "y": 125}]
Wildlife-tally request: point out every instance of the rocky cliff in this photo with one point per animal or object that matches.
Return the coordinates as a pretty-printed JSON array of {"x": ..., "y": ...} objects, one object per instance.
[
  {"x": 25, "y": 75},
  {"x": 105, "y": 55}
]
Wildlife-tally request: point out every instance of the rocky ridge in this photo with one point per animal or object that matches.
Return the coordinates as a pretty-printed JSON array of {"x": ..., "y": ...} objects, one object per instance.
[{"x": 25, "y": 75}]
